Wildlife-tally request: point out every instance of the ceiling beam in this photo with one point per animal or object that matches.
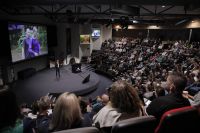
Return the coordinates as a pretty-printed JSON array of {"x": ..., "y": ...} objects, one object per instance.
[
  {"x": 166, "y": 9},
  {"x": 61, "y": 8},
  {"x": 5, "y": 10},
  {"x": 146, "y": 9},
  {"x": 94, "y": 2},
  {"x": 45, "y": 10},
  {"x": 102, "y": 13},
  {"x": 87, "y": 6}
]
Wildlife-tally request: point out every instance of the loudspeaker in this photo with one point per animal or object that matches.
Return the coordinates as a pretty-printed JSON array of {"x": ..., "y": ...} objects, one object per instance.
[{"x": 87, "y": 79}]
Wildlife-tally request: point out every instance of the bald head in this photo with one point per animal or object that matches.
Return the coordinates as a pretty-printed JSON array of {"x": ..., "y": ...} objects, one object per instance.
[{"x": 105, "y": 99}]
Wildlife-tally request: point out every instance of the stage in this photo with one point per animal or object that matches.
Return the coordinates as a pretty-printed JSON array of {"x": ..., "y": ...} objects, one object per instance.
[{"x": 45, "y": 81}]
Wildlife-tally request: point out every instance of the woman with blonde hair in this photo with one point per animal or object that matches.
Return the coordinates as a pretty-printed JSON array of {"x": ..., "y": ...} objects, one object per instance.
[{"x": 67, "y": 113}]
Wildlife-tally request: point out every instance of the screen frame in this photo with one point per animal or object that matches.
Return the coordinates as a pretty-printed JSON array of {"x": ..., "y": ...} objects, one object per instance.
[{"x": 30, "y": 24}]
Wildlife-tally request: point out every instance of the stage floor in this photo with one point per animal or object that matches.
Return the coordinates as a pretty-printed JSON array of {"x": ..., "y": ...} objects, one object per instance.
[{"x": 45, "y": 81}]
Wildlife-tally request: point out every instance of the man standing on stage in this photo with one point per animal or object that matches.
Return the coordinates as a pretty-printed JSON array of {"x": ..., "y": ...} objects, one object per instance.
[{"x": 57, "y": 66}]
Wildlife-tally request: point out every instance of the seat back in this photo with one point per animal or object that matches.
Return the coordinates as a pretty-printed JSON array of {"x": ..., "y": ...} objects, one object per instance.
[
  {"x": 183, "y": 120},
  {"x": 80, "y": 130},
  {"x": 143, "y": 124}
]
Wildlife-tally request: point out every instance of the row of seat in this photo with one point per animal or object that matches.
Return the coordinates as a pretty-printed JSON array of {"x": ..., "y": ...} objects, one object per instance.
[{"x": 183, "y": 120}]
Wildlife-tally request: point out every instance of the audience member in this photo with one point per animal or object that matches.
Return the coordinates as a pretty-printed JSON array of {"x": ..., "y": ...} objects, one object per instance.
[
  {"x": 124, "y": 103},
  {"x": 43, "y": 117},
  {"x": 176, "y": 84},
  {"x": 86, "y": 115},
  {"x": 105, "y": 99},
  {"x": 38, "y": 119},
  {"x": 67, "y": 113}
]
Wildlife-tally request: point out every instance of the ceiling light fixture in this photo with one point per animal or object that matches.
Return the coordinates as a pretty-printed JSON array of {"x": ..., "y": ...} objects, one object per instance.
[
  {"x": 135, "y": 21},
  {"x": 181, "y": 22}
]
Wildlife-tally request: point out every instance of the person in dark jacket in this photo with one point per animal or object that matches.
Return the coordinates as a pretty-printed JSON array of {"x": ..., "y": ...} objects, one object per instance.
[
  {"x": 176, "y": 83},
  {"x": 57, "y": 66}
]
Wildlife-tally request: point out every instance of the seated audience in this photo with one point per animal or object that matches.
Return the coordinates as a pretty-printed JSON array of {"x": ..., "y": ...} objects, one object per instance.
[
  {"x": 124, "y": 103},
  {"x": 66, "y": 113},
  {"x": 176, "y": 84},
  {"x": 9, "y": 113}
]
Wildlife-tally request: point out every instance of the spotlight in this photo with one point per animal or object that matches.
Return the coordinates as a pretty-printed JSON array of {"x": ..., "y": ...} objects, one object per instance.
[
  {"x": 135, "y": 21},
  {"x": 117, "y": 27}
]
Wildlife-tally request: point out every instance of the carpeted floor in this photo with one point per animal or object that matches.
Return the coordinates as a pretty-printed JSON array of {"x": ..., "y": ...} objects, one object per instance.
[{"x": 45, "y": 82}]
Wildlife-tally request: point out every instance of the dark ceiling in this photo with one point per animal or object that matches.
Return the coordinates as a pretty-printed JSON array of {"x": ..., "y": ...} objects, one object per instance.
[
  {"x": 104, "y": 11},
  {"x": 93, "y": 2}
]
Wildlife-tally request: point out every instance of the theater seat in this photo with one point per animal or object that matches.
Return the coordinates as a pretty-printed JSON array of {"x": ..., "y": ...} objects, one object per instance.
[
  {"x": 80, "y": 130},
  {"x": 143, "y": 124},
  {"x": 182, "y": 120}
]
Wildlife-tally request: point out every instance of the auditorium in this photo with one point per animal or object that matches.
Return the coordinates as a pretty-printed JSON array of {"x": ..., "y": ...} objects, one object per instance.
[{"x": 99, "y": 66}]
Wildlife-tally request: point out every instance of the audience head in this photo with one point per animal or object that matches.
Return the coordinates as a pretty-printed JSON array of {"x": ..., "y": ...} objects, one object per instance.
[
  {"x": 67, "y": 112},
  {"x": 44, "y": 103},
  {"x": 124, "y": 97},
  {"x": 176, "y": 82},
  {"x": 9, "y": 111},
  {"x": 35, "y": 107},
  {"x": 105, "y": 99},
  {"x": 83, "y": 105},
  {"x": 159, "y": 91}
]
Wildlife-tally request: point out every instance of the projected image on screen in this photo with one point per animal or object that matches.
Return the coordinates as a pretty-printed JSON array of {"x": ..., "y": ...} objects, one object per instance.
[
  {"x": 96, "y": 33},
  {"x": 27, "y": 41},
  {"x": 85, "y": 39}
]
